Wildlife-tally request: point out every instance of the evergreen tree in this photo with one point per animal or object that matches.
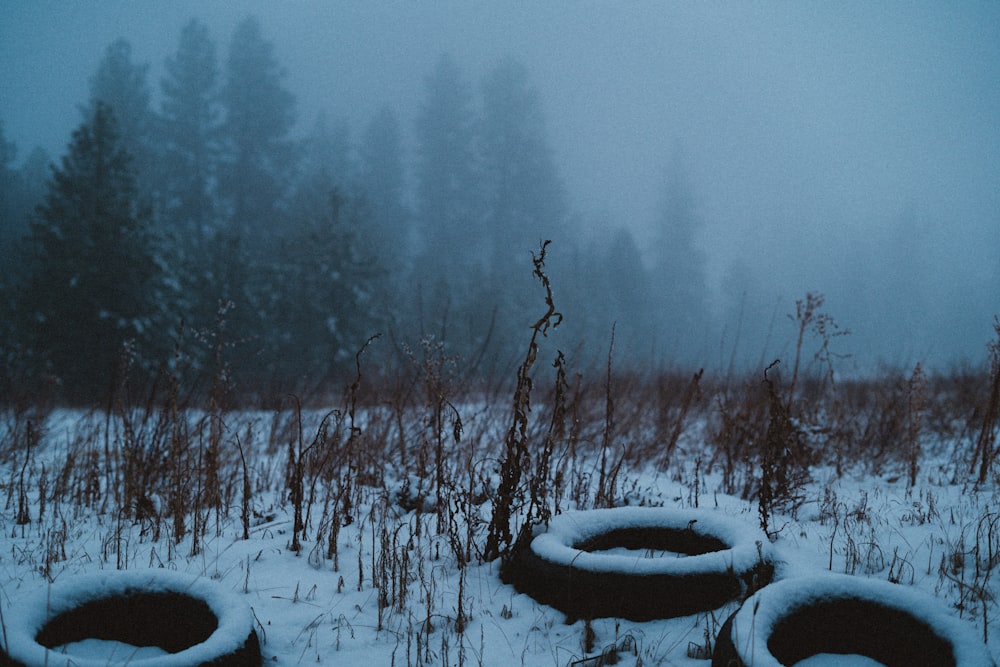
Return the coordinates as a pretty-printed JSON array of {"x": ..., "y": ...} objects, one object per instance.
[
  {"x": 33, "y": 177},
  {"x": 329, "y": 289},
  {"x": 327, "y": 166},
  {"x": 9, "y": 232},
  {"x": 525, "y": 199},
  {"x": 451, "y": 243},
  {"x": 21, "y": 190},
  {"x": 327, "y": 159},
  {"x": 604, "y": 284},
  {"x": 8, "y": 151},
  {"x": 447, "y": 206},
  {"x": 679, "y": 276},
  {"x": 28, "y": 186},
  {"x": 189, "y": 120},
  {"x": 524, "y": 202},
  {"x": 253, "y": 180},
  {"x": 381, "y": 177},
  {"x": 122, "y": 85},
  {"x": 9, "y": 191},
  {"x": 258, "y": 156},
  {"x": 93, "y": 285},
  {"x": 750, "y": 317},
  {"x": 628, "y": 296}
]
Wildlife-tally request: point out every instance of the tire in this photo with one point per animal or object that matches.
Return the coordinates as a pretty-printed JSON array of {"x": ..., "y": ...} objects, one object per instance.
[
  {"x": 558, "y": 568},
  {"x": 196, "y": 621},
  {"x": 793, "y": 619}
]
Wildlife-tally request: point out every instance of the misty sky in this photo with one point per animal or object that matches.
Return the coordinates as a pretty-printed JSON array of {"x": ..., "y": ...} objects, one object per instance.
[{"x": 807, "y": 129}]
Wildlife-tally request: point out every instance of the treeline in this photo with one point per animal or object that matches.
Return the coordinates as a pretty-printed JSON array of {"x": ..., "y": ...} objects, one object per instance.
[{"x": 201, "y": 234}]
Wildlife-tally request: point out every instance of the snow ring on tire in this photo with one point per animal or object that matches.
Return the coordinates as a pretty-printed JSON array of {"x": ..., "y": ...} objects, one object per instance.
[
  {"x": 721, "y": 557},
  {"x": 196, "y": 621},
  {"x": 796, "y": 618}
]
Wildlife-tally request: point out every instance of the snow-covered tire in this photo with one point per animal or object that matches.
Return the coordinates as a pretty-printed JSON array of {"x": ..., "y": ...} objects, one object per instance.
[
  {"x": 195, "y": 620},
  {"x": 558, "y": 568},
  {"x": 799, "y": 617}
]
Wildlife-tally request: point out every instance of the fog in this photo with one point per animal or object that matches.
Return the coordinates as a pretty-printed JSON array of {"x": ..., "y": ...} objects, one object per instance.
[{"x": 849, "y": 149}]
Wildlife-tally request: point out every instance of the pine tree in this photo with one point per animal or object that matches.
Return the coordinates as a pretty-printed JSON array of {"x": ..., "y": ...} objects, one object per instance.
[
  {"x": 189, "y": 120},
  {"x": 95, "y": 271},
  {"x": 628, "y": 297},
  {"x": 21, "y": 190},
  {"x": 328, "y": 291},
  {"x": 382, "y": 174},
  {"x": 327, "y": 158},
  {"x": 255, "y": 171},
  {"x": 451, "y": 247},
  {"x": 8, "y": 189},
  {"x": 122, "y": 85},
  {"x": 524, "y": 195},
  {"x": 9, "y": 233},
  {"x": 33, "y": 176},
  {"x": 258, "y": 156},
  {"x": 679, "y": 279},
  {"x": 750, "y": 311},
  {"x": 449, "y": 215}
]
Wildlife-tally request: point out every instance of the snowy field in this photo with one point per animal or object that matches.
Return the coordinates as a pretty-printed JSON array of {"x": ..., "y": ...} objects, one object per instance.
[{"x": 402, "y": 582}]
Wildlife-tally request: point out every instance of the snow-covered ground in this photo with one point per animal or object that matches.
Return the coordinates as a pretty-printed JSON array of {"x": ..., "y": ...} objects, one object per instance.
[{"x": 399, "y": 591}]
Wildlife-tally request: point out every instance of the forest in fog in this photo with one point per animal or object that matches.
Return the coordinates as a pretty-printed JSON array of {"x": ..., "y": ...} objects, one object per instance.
[{"x": 195, "y": 219}]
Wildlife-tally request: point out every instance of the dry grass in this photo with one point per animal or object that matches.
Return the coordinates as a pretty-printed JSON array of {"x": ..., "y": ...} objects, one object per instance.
[{"x": 429, "y": 473}]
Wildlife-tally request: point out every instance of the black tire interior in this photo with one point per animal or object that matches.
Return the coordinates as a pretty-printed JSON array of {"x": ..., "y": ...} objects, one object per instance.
[
  {"x": 861, "y": 627},
  {"x": 685, "y": 541},
  {"x": 169, "y": 620}
]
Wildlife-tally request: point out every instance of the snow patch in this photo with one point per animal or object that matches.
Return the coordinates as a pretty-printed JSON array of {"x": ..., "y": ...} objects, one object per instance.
[
  {"x": 235, "y": 620},
  {"x": 109, "y": 652},
  {"x": 558, "y": 544},
  {"x": 837, "y": 660}
]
